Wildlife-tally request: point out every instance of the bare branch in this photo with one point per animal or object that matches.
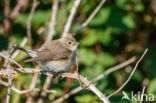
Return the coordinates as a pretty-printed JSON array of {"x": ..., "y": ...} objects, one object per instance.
[
  {"x": 71, "y": 17},
  {"x": 107, "y": 72},
  {"x": 115, "y": 68},
  {"x": 70, "y": 75},
  {"x": 34, "y": 6},
  {"x": 6, "y": 14},
  {"x": 37, "y": 71},
  {"x": 92, "y": 15},
  {"x": 17, "y": 9},
  {"x": 53, "y": 21},
  {"x": 67, "y": 95},
  {"x": 11, "y": 60},
  {"x": 16, "y": 89},
  {"x": 88, "y": 84},
  {"x": 7, "y": 65},
  {"x": 32, "y": 86},
  {"x": 129, "y": 76},
  {"x": 45, "y": 88},
  {"x": 10, "y": 84}
]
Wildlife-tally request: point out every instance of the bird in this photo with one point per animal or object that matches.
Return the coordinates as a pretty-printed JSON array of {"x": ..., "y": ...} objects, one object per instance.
[{"x": 56, "y": 56}]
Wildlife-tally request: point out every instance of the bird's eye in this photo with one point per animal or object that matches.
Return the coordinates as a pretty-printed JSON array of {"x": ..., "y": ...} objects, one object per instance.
[{"x": 69, "y": 42}]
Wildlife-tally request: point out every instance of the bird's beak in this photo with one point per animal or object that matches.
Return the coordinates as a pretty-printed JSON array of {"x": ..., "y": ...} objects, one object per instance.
[{"x": 78, "y": 43}]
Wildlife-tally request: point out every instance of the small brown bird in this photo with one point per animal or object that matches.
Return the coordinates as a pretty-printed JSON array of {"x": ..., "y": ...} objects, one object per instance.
[{"x": 55, "y": 56}]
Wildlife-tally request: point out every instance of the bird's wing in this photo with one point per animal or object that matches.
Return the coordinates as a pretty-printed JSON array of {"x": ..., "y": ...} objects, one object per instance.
[{"x": 52, "y": 51}]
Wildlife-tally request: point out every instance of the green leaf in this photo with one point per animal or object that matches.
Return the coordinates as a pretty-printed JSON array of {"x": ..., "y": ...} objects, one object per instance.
[
  {"x": 92, "y": 71},
  {"x": 101, "y": 17},
  {"x": 115, "y": 20},
  {"x": 124, "y": 4},
  {"x": 87, "y": 57},
  {"x": 152, "y": 88},
  {"x": 106, "y": 59},
  {"x": 86, "y": 6},
  {"x": 86, "y": 99},
  {"x": 90, "y": 39},
  {"x": 150, "y": 63},
  {"x": 39, "y": 17},
  {"x": 22, "y": 19},
  {"x": 59, "y": 92},
  {"x": 105, "y": 36},
  {"x": 139, "y": 7},
  {"x": 128, "y": 20}
]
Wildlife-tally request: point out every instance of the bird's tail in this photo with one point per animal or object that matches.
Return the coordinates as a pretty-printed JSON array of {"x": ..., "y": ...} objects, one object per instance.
[
  {"x": 29, "y": 52},
  {"x": 20, "y": 48}
]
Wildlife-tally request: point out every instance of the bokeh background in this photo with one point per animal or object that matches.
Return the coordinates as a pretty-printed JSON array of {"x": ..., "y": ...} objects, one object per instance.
[{"x": 120, "y": 30}]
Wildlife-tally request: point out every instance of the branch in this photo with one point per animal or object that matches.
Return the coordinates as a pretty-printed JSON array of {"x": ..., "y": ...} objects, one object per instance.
[
  {"x": 71, "y": 17},
  {"x": 70, "y": 75},
  {"x": 129, "y": 76},
  {"x": 91, "y": 16},
  {"x": 88, "y": 84},
  {"x": 7, "y": 66},
  {"x": 45, "y": 88},
  {"x": 11, "y": 60},
  {"x": 53, "y": 21},
  {"x": 16, "y": 89},
  {"x": 17, "y": 9},
  {"x": 107, "y": 72},
  {"x": 10, "y": 85},
  {"x": 34, "y": 6},
  {"x": 32, "y": 86},
  {"x": 6, "y": 14}
]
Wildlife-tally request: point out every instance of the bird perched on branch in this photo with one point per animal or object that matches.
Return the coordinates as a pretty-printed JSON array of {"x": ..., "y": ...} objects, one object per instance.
[{"x": 55, "y": 56}]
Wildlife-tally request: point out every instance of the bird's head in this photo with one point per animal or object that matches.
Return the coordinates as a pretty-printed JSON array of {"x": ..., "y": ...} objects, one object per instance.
[{"x": 70, "y": 42}]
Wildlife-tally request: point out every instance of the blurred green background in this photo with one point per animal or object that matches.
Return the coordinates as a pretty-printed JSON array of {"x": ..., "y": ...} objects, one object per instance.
[{"x": 120, "y": 30}]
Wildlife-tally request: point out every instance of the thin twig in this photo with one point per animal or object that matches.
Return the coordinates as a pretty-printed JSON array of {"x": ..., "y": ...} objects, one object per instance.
[
  {"x": 6, "y": 14},
  {"x": 53, "y": 21},
  {"x": 69, "y": 75},
  {"x": 32, "y": 70},
  {"x": 129, "y": 76},
  {"x": 8, "y": 67},
  {"x": 115, "y": 68},
  {"x": 71, "y": 17},
  {"x": 88, "y": 84},
  {"x": 34, "y": 6},
  {"x": 11, "y": 60},
  {"x": 45, "y": 87},
  {"x": 16, "y": 89},
  {"x": 32, "y": 86},
  {"x": 91, "y": 16},
  {"x": 17, "y": 9},
  {"x": 77, "y": 70},
  {"x": 107, "y": 72},
  {"x": 10, "y": 84}
]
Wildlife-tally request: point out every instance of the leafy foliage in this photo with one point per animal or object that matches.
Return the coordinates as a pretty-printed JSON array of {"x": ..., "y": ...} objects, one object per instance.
[{"x": 120, "y": 30}]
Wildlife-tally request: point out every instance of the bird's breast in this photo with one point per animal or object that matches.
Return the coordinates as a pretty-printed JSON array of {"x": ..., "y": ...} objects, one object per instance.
[{"x": 59, "y": 65}]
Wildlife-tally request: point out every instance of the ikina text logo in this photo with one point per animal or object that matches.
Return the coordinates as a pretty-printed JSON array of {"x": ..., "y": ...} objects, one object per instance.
[{"x": 137, "y": 97}]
